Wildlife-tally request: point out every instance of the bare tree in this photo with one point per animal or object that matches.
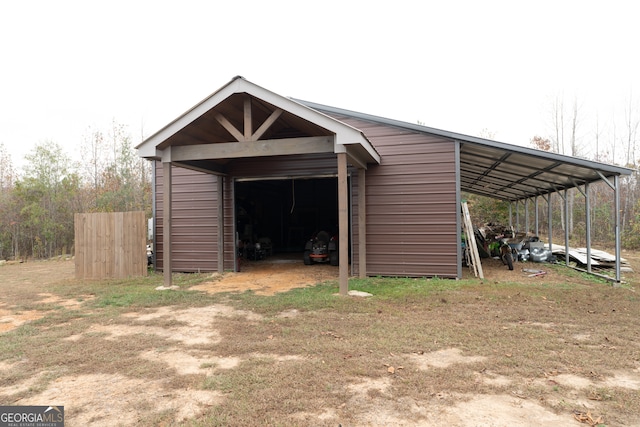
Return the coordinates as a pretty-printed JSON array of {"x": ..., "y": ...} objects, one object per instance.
[
  {"x": 557, "y": 121},
  {"x": 631, "y": 123},
  {"x": 565, "y": 127},
  {"x": 95, "y": 153},
  {"x": 7, "y": 207}
]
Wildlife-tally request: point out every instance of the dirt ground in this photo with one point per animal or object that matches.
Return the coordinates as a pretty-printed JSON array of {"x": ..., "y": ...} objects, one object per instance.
[
  {"x": 270, "y": 276},
  {"x": 94, "y": 394}
]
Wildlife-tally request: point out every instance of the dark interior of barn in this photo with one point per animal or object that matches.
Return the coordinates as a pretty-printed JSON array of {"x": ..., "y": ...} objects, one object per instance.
[{"x": 285, "y": 213}]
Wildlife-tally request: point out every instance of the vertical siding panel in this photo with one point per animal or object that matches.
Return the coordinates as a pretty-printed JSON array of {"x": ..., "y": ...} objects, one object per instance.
[
  {"x": 109, "y": 244},
  {"x": 120, "y": 241}
]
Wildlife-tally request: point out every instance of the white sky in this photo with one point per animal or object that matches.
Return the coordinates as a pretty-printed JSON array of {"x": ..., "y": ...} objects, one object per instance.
[{"x": 462, "y": 66}]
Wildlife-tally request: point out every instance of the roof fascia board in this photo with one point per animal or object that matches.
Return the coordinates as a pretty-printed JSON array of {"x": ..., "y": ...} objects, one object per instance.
[{"x": 189, "y": 116}]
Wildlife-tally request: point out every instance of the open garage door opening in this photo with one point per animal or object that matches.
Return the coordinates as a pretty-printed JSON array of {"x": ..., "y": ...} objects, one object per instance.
[{"x": 275, "y": 218}]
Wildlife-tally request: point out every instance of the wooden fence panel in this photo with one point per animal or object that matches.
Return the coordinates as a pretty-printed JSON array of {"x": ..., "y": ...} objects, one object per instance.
[{"x": 110, "y": 245}]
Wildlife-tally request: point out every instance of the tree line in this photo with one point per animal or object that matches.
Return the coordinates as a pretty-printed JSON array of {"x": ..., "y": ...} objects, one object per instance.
[{"x": 37, "y": 204}]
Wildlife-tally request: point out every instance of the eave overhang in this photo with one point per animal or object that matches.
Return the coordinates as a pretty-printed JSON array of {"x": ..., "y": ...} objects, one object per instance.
[{"x": 242, "y": 119}]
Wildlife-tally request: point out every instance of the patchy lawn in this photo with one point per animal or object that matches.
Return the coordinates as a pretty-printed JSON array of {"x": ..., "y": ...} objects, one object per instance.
[{"x": 558, "y": 349}]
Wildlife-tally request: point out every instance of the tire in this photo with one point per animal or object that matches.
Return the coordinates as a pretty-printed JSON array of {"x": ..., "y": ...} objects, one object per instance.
[
  {"x": 508, "y": 259},
  {"x": 307, "y": 257},
  {"x": 334, "y": 259}
]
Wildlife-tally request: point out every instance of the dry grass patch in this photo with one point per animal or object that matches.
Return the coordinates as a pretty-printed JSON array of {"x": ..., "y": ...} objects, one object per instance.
[{"x": 419, "y": 352}]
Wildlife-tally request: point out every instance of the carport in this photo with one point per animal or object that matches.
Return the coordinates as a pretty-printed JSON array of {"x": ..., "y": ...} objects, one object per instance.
[{"x": 520, "y": 175}]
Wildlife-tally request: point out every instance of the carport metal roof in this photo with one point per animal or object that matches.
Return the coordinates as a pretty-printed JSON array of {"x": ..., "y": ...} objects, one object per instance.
[
  {"x": 504, "y": 171},
  {"x": 508, "y": 172}
]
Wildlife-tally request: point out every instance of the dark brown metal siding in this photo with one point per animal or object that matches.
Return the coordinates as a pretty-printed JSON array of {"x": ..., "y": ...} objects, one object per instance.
[
  {"x": 194, "y": 227},
  {"x": 353, "y": 212},
  {"x": 411, "y": 203},
  {"x": 195, "y": 230}
]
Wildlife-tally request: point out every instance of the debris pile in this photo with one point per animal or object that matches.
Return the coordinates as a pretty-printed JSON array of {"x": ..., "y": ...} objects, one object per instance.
[{"x": 525, "y": 246}]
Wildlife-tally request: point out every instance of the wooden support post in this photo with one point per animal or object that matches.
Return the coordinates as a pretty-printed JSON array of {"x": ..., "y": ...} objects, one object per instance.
[
  {"x": 166, "y": 223},
  {"x": 343, "y": 224},
  {"x": 362, "y": 224},
  {"x": 220, "y": 185}
]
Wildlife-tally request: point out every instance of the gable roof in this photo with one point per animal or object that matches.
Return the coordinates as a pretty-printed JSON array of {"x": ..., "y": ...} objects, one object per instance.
[
  {"x": 500, "y": 170},
  {"x": 222, "y": 118}
]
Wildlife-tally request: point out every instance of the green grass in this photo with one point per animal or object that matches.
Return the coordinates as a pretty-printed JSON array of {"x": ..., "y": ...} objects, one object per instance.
[{"x": 136, "y": 292}]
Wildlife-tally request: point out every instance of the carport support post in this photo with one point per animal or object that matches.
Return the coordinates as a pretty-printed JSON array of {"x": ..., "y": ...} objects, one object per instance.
[
  {"x": 550, "y": 219},
  {"x": 526, "y": 216},
  {"x": 166, "y": 223},
  {"x": 616, "y": 191},
  {"x": 587, "y": 219},
  {"x": 343, "y": 224},
  {"x": 537, "y": 218},
  {"x": 587, "y": 213}
]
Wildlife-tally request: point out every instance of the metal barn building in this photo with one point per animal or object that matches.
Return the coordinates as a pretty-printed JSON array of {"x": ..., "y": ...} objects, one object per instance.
[{"x": 246, "y": 163}]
